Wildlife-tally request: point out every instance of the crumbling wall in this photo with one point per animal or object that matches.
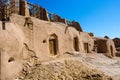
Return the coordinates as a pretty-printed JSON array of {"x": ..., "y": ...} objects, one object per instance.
[
  {"x": 22, "y": 7},
  {"x": 59, "y": 19},
  {"x": 38, "y": 38},
  {"x": 117, "y": 46},
  {"x": 77, "y": 26},
  {"x": 43, "y": 14},
  {"x": 62, "y": 20},
  {"x": 111, "y": 48},
  {"x": 13, "y": 51},
  {"x": 117, "y": 42},
  {"x": 15, "y": 6},
  {"x": 1, "y": 10},
  {"x": 0, "y": 15},
  {"x": 91, "y": 34},
  {"x": 20, "y": 34},
  {"x": 101, "y": 46},
  {"x": 56, "y": 18},
  {"x": 105, "y": 46},
  {"x": 8, "y": 7},
  {"x": 21, "y": 43}
]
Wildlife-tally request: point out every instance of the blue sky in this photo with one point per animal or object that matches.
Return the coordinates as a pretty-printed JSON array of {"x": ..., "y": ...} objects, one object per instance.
[{"x": 102, "y": 17}]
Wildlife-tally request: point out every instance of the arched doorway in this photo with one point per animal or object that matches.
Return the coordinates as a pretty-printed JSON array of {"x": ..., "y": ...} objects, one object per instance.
[
  {"x": 76, "y": 43},
  {"x": 53, "y": 44}
]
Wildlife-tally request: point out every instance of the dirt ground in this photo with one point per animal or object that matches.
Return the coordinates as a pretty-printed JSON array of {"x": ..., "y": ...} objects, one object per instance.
[
  {"x": 74, "y": 66},
  {"x": 109, "y": 66}
]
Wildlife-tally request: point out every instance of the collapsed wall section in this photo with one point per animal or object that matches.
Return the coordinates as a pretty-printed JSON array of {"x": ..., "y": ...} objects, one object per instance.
[
  {"x": 105, "y": 46},
  {"x": 101, "y": 46}
]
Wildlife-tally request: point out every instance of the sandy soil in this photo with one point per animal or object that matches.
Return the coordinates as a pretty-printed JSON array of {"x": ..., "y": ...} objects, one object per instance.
[{"x": 110, "y": 66}]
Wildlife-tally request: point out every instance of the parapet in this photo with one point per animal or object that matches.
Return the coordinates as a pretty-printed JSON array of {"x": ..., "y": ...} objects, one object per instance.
[
  {"x": 91, "y": 34},
  {"x": 75, "y": 24},
  {"x": 56, "y": 18},
  {"x": 21, "y": 7}
]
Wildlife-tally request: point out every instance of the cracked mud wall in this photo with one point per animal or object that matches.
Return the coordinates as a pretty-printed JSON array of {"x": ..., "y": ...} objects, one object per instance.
[
  {"x": 12, "y": 65},
  {"x": 11, "y": 46},
  {"x": 39, "y": 36}
]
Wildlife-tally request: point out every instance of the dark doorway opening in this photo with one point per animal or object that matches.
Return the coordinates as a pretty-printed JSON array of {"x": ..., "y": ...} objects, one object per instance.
[
  {"x": 101, "y": 46},
  {"x": 53, "y": 45},
  {"x": 3, "y": 25},
  {"x": 76, "y": 44},
  {"x": 86, "y": 47}
]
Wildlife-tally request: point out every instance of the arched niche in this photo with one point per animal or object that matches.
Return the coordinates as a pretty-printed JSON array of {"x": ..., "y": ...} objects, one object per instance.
[{"x": 53, "y": 44}]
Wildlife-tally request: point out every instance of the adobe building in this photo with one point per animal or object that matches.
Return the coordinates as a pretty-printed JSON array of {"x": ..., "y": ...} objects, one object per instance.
[
  {"x": 43, "y": 39},
  {"x": 87, "y": 42},
  {"x": 117, "y": 43},
  {"x": 117, "y": 46},
  {"x": 28, "y": 35},
  {"x": 104, "y": 45}
]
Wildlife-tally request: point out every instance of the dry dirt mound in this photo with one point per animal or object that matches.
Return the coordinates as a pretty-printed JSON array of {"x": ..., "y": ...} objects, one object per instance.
[{"x": 67, "y": 67}]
